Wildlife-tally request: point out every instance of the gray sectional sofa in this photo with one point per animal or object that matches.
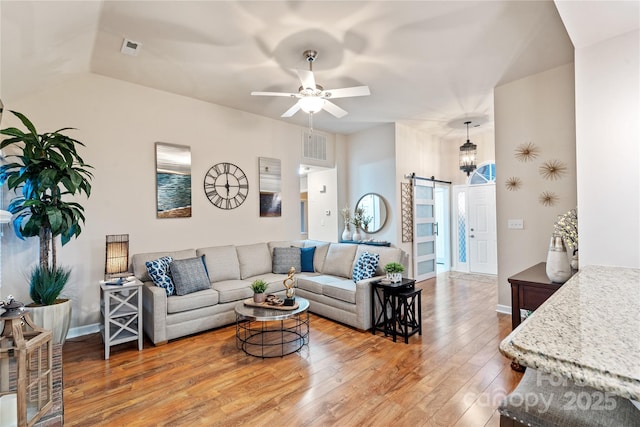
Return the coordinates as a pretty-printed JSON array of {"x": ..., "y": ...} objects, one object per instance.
[{"x": 329, "y": 288}]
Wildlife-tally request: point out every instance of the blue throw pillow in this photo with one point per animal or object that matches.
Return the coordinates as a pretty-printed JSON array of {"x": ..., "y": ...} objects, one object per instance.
[
  {"x": 306, "y": 258},
  {"x": 159, "y": 272},
  {"x": 365, "y": 267}
]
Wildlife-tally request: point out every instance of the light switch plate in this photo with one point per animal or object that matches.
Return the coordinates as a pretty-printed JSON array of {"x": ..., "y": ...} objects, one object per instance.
[{"x": 515, "y": 224}]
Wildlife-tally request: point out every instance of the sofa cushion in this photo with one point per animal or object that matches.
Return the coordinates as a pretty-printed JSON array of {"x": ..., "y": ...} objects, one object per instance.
[
  {"x": 254, "y": 259},
  {"x": 339, "y": 260},
  {"x": 189, "y": 275},
  {"x": 192, "y": 301},
  {"x": 233, "y": 290},
  {"x": 285, "y": 258},
  {"x": 138, "y": 261},
  {"x": 315, "y": 283},
  {"x": 344, "y": 290},
  {"x": 306, "y": 259},
  {"x": 222, "y": 262},
  {"x": 320, "y": 254},
  {"x": 387, "y": 255},
  {"x": 159, "y": 272},
  {"x": 365, "y": 266}
]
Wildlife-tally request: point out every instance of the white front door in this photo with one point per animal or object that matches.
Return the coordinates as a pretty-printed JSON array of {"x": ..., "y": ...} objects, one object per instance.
[
  {"x": 483, "y": 254},
  {"x": 424, "y": 237}
]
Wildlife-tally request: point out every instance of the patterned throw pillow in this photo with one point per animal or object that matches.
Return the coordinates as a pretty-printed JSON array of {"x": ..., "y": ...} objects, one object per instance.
[
  {"x": 285, "y": 258},
  {"x": 365, "y": 267},
  {"x": 159, "y": 272},
  {"x": 189, "y": 275}
]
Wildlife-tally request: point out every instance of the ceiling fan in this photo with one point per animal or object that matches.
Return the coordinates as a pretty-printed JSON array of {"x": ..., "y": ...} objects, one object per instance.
[{"x": 312, "y": 97}]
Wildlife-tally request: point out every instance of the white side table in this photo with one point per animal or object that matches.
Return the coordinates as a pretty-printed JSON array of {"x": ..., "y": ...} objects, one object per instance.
[{"x": 121, "y": 309}]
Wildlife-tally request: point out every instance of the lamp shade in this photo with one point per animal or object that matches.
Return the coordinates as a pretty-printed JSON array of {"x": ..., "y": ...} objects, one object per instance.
[
  {"x": 5, "y": 217},
  {"x": 311, "y": 104},
  {"x": 117, "y": 255}
]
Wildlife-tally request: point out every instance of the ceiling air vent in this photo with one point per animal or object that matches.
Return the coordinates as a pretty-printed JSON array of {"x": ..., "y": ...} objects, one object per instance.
[
  {"x": 314, "y": 146},
  {"x": 131, "y": 48}
]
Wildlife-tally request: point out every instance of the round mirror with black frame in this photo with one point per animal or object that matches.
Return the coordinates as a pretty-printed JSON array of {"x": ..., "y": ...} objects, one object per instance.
[{"x": 374, "y": 206}]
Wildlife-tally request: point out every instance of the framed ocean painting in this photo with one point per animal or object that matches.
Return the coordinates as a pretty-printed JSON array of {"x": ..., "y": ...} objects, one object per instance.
[{"x": 173, "y": 180}]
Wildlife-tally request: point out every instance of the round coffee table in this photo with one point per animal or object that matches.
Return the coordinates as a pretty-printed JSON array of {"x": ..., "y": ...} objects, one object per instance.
[{"x": 269, "y": 332}]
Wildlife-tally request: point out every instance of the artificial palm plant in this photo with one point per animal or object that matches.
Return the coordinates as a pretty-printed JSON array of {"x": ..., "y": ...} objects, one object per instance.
[{"x": 46, "y": 168}]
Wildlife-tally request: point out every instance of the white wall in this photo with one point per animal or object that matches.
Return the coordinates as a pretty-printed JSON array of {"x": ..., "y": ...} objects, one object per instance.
[
  {"x": 323, "y": 226},
  {"x": 608, "y": 151},
  {"x": 372, "y": 169},
  {"x": 119, "y": 123},
  {"x": 537, "y": 109}
]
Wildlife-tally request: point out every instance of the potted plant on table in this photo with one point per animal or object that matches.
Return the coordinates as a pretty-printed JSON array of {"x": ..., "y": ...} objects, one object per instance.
[
  {"x": 45, "y": 169},
  {"x": 394, "y": 271},
  {"x": 259, "y": 287}
]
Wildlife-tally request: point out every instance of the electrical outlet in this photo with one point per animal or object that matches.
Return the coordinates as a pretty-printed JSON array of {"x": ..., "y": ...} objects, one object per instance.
[{"x": 515, "y": 224}]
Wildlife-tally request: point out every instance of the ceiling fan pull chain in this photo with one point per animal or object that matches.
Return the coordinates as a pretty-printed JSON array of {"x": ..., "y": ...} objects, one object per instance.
[{"x": 310, "y": 124}]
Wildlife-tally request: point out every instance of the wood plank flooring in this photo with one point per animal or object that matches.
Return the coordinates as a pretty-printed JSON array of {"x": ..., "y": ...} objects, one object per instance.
[{"x": 452, "y": 375}]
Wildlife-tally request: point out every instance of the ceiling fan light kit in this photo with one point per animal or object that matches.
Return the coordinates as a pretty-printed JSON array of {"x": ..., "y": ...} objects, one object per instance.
[{"x": 312, "y": 98}]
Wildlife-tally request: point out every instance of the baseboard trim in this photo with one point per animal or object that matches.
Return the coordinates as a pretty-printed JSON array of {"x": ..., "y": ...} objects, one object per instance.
[
  {"x": 504, "y": 309},
  {"x": 83, "y": 330}
]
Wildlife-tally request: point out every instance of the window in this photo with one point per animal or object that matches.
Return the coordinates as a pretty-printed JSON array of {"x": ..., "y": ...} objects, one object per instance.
[{"x": 484, "y": 174}]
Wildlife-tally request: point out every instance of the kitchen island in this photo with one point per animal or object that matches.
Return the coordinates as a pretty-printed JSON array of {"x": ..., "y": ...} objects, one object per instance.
[{"x": 588, "y": 332}]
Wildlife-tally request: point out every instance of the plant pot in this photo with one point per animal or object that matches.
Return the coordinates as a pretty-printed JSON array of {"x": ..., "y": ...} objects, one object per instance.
[
  {"x": 55, "y": 317},
  {"x": 259, "y": 298},
  {"x": 394, "y": 277}
]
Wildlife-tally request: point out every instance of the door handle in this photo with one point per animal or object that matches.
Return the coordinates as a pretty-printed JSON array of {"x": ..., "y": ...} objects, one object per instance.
[
  {"x": 435, "y": 228},
  {"x": 472, "y": 236}
]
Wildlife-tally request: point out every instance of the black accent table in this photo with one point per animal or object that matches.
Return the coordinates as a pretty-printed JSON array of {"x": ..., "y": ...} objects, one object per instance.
[{"x": 384, "y": 306}]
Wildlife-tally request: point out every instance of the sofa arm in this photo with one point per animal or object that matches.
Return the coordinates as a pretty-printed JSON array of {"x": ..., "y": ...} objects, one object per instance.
[
  {"x": 154, "y": 313},
  {"x": 363, "y": 301}
]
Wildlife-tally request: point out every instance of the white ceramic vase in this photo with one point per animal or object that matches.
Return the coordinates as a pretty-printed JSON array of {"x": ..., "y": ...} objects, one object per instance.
[
  {"x": 558, "y": 266},
  {"x": 356, "y": 235},
  {"x": 346, "y": 234}
]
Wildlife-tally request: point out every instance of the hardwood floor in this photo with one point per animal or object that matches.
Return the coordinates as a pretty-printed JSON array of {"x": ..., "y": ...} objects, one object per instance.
[{"x": 452, "y": 375}]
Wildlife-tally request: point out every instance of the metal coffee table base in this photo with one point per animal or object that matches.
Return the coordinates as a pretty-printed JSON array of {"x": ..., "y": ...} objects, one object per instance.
[
  {"x": 265, "y": 332},
  {"x": 272, "y": 338}
]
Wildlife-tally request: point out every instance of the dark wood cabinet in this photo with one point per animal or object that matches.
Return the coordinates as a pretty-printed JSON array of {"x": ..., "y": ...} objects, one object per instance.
[{"x": 529, "y": 289}]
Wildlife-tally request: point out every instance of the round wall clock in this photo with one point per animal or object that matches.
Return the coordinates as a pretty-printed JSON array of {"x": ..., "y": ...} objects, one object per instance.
[{"x": 226, "y": 185}]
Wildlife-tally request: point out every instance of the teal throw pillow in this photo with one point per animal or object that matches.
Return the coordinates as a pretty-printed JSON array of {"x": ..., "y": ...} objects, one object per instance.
[{"x": 306, "y": 259}]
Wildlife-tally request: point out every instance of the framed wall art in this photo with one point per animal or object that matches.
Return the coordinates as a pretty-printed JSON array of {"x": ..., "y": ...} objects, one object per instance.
[
  {"x": 270, "y": 187},
  {"x": 173, "y": 180}
]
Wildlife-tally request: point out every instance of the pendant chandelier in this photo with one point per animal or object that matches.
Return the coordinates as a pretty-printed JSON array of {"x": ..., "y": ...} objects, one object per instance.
[{"x": 468, "y": 154}]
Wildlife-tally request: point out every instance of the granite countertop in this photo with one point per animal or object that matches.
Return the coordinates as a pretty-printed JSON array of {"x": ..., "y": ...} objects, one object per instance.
[{"x": 588, "y": 331}]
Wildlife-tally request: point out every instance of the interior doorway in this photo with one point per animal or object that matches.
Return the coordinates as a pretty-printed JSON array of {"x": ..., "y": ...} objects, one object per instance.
[
  {"x": 443, "y": 228},
  {"x": 474, "y": 240}
]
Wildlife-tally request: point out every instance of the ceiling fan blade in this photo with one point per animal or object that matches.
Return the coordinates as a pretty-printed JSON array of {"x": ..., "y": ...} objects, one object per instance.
[
  {"x": 307, "y": 79},
  {"x": 291, "y": 111},
  {"x": 346, "y": 92},
  {"x": 332, "y": 108},
  {"x": 288, "y": 95}
]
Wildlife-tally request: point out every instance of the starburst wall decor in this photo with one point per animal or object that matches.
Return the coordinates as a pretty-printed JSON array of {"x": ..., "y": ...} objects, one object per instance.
[
  {"x": 548, "y": 198},
  {"x": 553, "y": 169},
  {"x": 513, "y": 183},
  {"x": 527, "y": 152}
]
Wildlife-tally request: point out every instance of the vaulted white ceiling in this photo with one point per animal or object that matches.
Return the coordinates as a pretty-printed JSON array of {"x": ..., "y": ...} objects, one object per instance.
[{"x": 429, "y": 63}]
